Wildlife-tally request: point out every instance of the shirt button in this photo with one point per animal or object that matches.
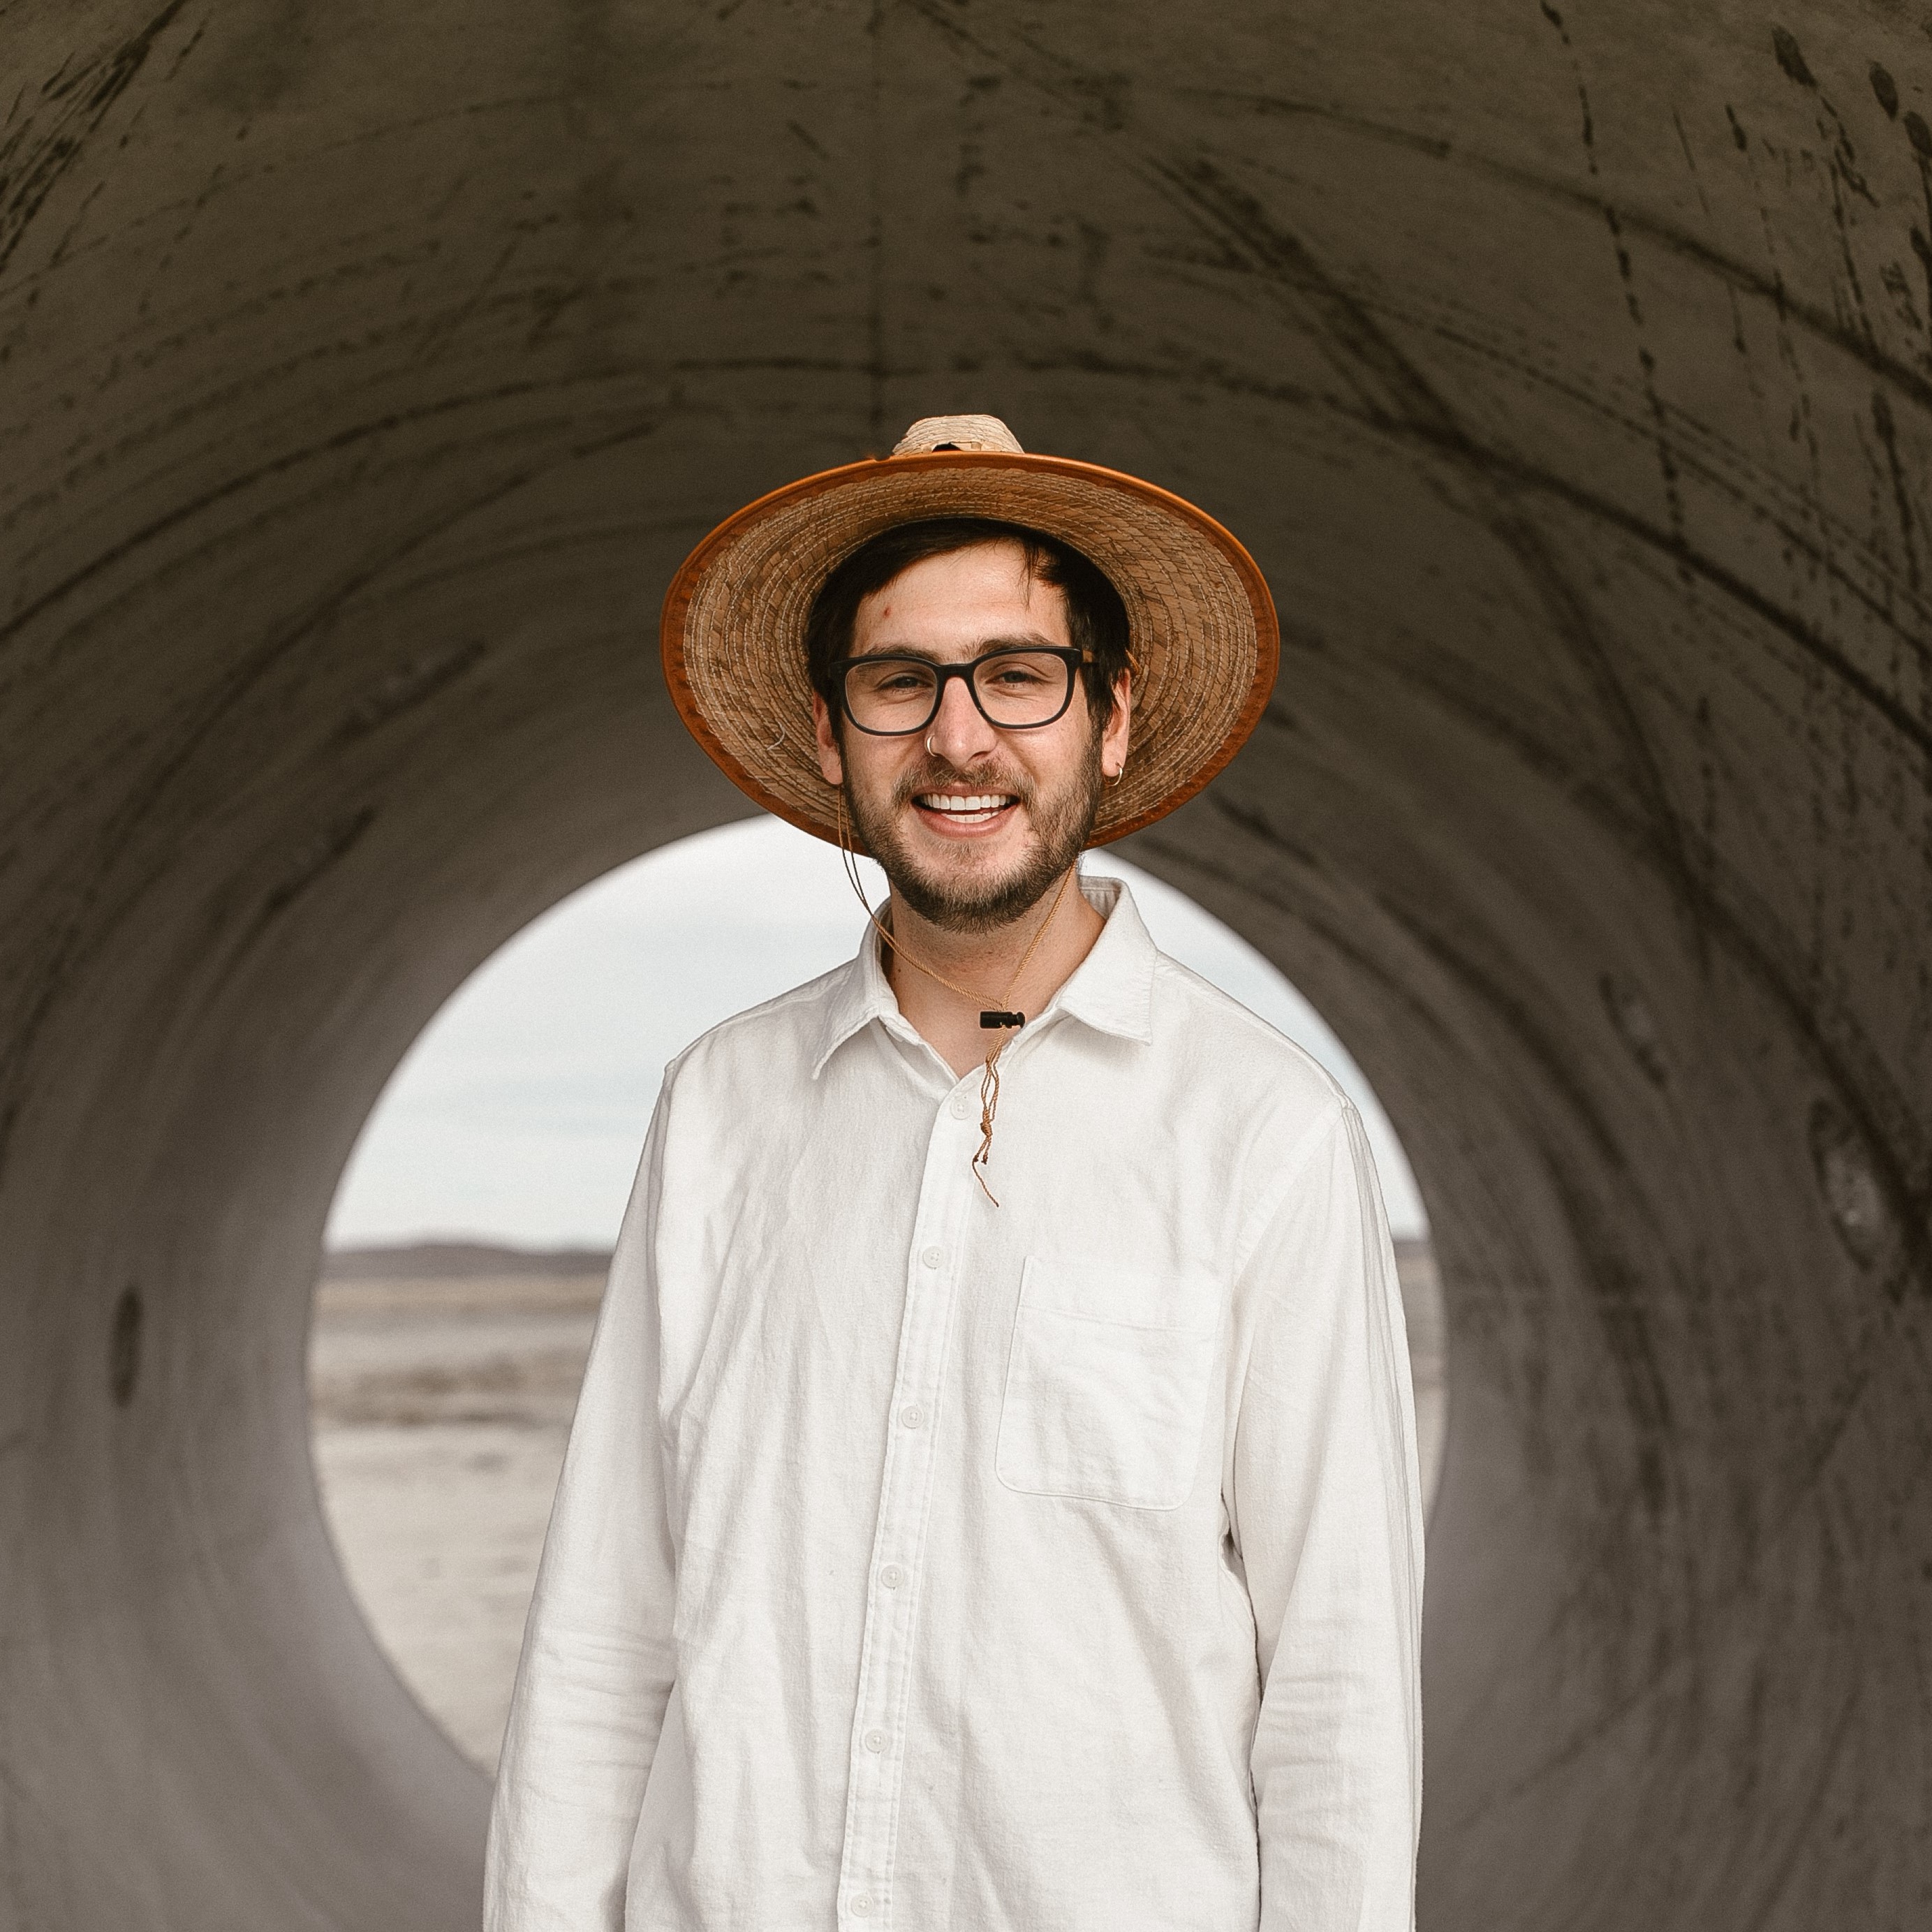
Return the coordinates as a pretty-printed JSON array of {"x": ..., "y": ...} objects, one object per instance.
[
  {"x": 891, "y": 1575},
  {"x": 933, "y": 1257},
  {"x": 862, "y": 1907},
  {"x": 962, "y": 1106},
  {"x": 912, "y": 1415},
  {"x": 875, "y": 1741}
]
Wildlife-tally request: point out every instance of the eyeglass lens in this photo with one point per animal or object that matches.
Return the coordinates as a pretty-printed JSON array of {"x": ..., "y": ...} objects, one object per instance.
[{"x": 1016, "y": 688}]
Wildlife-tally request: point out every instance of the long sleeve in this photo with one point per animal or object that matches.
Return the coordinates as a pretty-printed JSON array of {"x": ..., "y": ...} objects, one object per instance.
[
  {"x": 596, "y": 1671},
  {"x": 1326, "y": 1512}
]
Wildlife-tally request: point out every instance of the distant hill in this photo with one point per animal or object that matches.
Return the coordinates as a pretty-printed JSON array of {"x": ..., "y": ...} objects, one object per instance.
[
  {"x": 459, "y": 1261},
  {"x": 478, "y": 1261}
]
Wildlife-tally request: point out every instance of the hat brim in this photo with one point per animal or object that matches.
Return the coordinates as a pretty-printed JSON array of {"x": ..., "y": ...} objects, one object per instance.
[{"x": 1201, "y": 623}]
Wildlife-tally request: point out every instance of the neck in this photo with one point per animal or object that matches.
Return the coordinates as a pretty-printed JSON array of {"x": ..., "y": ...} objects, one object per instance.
[{"x": 1060, "y": 929}]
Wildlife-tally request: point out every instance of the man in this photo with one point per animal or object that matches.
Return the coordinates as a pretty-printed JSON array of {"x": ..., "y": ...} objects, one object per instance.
[{"x": 992, "y": 1505}]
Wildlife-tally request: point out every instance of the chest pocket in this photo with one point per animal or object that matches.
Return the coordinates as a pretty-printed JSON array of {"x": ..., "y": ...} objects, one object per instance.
[{"x": 1107, "y": 1383}]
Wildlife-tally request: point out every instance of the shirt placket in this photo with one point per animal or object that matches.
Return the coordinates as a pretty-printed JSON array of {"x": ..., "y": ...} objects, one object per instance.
[{"x": 896, "y": 1576}]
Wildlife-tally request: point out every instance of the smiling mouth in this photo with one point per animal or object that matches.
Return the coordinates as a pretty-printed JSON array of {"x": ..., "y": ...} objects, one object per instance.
[{"x": 966, "y": 810}]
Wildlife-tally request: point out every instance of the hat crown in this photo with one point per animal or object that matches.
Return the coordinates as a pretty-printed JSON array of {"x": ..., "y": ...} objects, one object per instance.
[{"x": 980, "y": 433}]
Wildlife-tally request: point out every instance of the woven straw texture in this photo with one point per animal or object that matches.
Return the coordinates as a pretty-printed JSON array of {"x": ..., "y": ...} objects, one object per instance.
[{"x": 1201, "y": 623}]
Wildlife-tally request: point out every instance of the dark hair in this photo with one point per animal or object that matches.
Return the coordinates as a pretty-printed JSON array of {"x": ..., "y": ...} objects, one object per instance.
[{"x": 1096, "y": 619}]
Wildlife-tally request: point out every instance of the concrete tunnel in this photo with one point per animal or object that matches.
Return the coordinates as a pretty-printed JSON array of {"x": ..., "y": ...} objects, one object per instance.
[{"x": 364, "y": 372}]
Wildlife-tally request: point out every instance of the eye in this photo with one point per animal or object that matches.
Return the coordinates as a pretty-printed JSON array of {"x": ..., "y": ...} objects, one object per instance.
[
  {"x": 1014, "y": 673},
  {"x": 892, "y": 680}
]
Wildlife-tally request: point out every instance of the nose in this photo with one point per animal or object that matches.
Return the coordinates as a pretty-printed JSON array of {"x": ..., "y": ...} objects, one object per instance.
[{"x": 960, "y": 733}]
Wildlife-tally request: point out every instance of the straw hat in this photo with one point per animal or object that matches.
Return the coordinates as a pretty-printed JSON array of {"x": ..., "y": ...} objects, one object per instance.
[{"x": 1200, "y": 622}]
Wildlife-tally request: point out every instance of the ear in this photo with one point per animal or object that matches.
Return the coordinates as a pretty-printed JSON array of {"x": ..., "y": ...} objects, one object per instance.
[
  {"x": 831, "y": 765},
  {"x": 1114, "y": 735}
]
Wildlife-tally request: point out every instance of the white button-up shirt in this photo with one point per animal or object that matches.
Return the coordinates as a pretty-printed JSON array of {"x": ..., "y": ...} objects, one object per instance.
[{"x": 920, "y": 1563}]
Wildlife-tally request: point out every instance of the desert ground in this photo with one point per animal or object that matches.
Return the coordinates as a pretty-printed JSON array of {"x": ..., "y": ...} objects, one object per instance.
[{"x": 442, "y": 1381}]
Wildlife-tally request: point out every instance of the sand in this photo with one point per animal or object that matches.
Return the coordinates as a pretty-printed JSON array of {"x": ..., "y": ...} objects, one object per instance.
[{"x": 440, "y": 1410}]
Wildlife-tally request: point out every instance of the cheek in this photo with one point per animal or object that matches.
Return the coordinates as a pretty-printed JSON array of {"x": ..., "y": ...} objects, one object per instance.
[
  {"x": 873, "y": 766},
  {"x": 1074, "y": 756}
]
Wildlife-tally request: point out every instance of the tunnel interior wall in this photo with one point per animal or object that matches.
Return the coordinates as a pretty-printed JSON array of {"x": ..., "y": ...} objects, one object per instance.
[{"x": 363, "y": 376}]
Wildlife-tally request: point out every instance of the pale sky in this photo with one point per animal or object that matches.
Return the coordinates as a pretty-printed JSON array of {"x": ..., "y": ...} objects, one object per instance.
[{"x": 519, "y": 1114}]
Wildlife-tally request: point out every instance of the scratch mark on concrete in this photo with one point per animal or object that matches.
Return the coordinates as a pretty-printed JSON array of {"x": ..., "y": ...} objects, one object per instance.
[
  {"x": 1888, "y": 434},
  {"x": 1790, "y": 57},
  {"x": 32, "y": 164},
  {"x": 437, "y": 337},
  {"x": 333, "y": 842},
  {"x": 1797, "y": 1835}
]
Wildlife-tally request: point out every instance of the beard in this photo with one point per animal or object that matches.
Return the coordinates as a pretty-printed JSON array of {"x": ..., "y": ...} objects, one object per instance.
[{"x": 984, "y": 900}]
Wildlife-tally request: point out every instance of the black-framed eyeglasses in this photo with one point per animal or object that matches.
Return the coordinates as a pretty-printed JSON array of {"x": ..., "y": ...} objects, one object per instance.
[{"x": 1017, "y": 687}]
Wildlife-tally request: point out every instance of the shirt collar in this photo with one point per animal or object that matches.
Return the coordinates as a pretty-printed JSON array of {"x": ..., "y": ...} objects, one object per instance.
[{"x": 1111, "y": 990}]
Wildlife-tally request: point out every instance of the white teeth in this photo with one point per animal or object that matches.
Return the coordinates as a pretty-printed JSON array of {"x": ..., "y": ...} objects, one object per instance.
[{"x": 936, "y": 801}]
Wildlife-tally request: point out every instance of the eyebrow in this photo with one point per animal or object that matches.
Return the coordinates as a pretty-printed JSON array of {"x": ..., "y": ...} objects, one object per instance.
[{"x": 1030, "y": 641}]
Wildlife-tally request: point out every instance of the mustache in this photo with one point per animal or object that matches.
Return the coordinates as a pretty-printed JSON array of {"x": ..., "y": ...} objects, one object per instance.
[{"x": 936, "y": 774}]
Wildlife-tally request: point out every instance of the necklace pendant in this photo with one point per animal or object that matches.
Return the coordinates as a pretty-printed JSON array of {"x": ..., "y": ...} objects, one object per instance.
[{"x": 993, "y": 1018}]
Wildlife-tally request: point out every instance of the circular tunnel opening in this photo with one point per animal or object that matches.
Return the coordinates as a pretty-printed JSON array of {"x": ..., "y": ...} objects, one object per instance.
[{"x": 467, "y": 1238}]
